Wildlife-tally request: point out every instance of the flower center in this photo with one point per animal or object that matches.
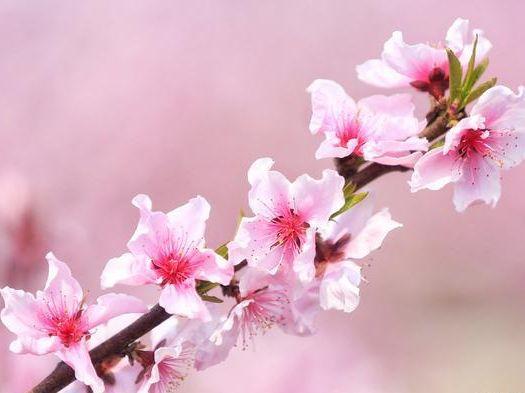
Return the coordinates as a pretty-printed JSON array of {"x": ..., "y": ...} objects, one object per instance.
[
  {"x": 59, "y": 322},
  {"x": 471, "y": 142},
  {"x": 436, "y": 83},
  {"x": 175, "y": 268},
  {"x": 290, "y": 230},
  {"x": 171, "y": 370},
  {"x": 267, "y": 307},
  {"x": 69, "y": 331},
  {"x": 350, "y": 130},
  {"x": 327, "y": 251}
]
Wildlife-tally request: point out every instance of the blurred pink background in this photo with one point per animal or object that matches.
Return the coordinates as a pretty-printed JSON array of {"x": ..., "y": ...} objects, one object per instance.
[{"x": 102, "y": 100}]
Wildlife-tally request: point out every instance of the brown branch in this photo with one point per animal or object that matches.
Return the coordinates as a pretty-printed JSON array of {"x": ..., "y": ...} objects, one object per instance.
[
  {"x": 372, "y": 172},
  {"x": 117, "y": 345}
]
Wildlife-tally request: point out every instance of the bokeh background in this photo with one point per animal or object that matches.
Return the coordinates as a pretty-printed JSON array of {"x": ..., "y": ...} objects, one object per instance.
[{"x": 102, "y": 100}]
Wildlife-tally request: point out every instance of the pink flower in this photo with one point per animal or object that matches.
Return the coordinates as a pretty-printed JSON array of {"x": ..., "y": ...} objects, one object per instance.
[
  {"x": 164, "y": 368},
  {"x": 116, "y": 372},
  {"x": 168, "y": 250},
  {"x": 262, "y": 302},
  {"x": 352, "y": 235},
  {"x": 422, "y": 66},
  {"x": 195, "y": 334},
  {"x": 476, "y": 149},
  {"x": 282, "y": 232},
  {"x": 378, "y": 128},
  {"x": 56, "y": 320}
]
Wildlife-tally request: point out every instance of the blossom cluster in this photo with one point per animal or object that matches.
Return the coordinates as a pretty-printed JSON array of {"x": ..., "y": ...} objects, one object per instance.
[{"x": 300, "y": 250}]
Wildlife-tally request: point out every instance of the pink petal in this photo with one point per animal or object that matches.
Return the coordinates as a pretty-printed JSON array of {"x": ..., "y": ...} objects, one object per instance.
[
  {"x": 351, "y": 222},
  {"x": 303, "y": 264},
  {"x": 209, "y": 354},
  {"x": 434, "y": 170},
  {"x": 479, "y": 182},
  {"x": 457, "y": 35},
  {"x": 60, "y": 284},
  {"x": 127, "y": 269},
  {"x": 111, "y": 327},
  {"x": 227, "y": 332},
  {"x": 222, "y": 340},
  {"x": 508, "y": 147},
  {"x": 112, "y": 305},
  {"x": 183, "y": 300},
  {"x": 190, "y": 220},
  {"x": 339, "y": 289},
  {"x": 214, "y": 268},
  {"x": 405, "y": 159},
  {"x": 454, "y": 135},
  {"x": 391, "y": 152},
  {"x": 316, "y": 200},
  {"x": 397, "y": 105},
  {"x": 258, "y": 169},
  {"x": 414, "y": 61},
  {"x": 20, "y": 314},
  {"x": 77, "y": 356},
  {"x": 462, "y": 44},
  {"x": 169, "y": 368},
  {"x": 502, "y": 109},
  {"x": 270, "y": 194},
  {"x": 330, "y": 105},
  {"x": 35, "y": 346},
  {"x": 372, "y": 235},
  {"x": 253, "y": 242},
  {"x": 330, "y": 148},
  {"x": 410, "y": 144},
  {"x": 144, "y": 204},
  {"x": 169, "y": 331},
  {"x": 151, "y": 231},
  {"x": 377, "y": 73},
  {"x": 252, "y": 279},
  {"x": 270, "y": 259},
  {"x": 482, "y": 48},
  {"x": 302, "y": 312}
]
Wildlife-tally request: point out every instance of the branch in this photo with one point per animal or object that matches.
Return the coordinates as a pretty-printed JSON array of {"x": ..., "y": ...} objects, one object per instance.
[{"x": 117, "y": 345}]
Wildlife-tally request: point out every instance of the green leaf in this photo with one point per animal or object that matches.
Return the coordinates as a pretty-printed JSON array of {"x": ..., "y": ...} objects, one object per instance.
[
  {"x": 438, "y": 143},
  {"x": 476, "y": 74},
  {"x": 211, "y": 299},
  {"x": 470, "y": 68},
  {"x": 348, "y": 190},
  {"x": 222, "y": 250},
  {"x": 205, "y": 286},
  {"x": 478, "y": 91},
  {"x": 455, "y": 76},
  {"x": 350, "y": 201}
]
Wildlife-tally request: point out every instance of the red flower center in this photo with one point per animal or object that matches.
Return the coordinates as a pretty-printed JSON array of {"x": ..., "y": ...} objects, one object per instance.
[
  {"x": 350, "y": 131},
  {"x": 472, "y": 142},
  {"x": 68, "y": 326},
  {"x": 175, "y": 268},
  {"x": 290, "y": 229},
  {"x": 69, "y": 331},
  {"x": 327, "y": 251},
  {"x": 436, "y": 83}
]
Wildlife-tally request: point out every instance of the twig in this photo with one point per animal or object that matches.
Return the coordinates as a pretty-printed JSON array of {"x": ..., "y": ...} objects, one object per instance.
[{"x": 63, "y": 375}]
